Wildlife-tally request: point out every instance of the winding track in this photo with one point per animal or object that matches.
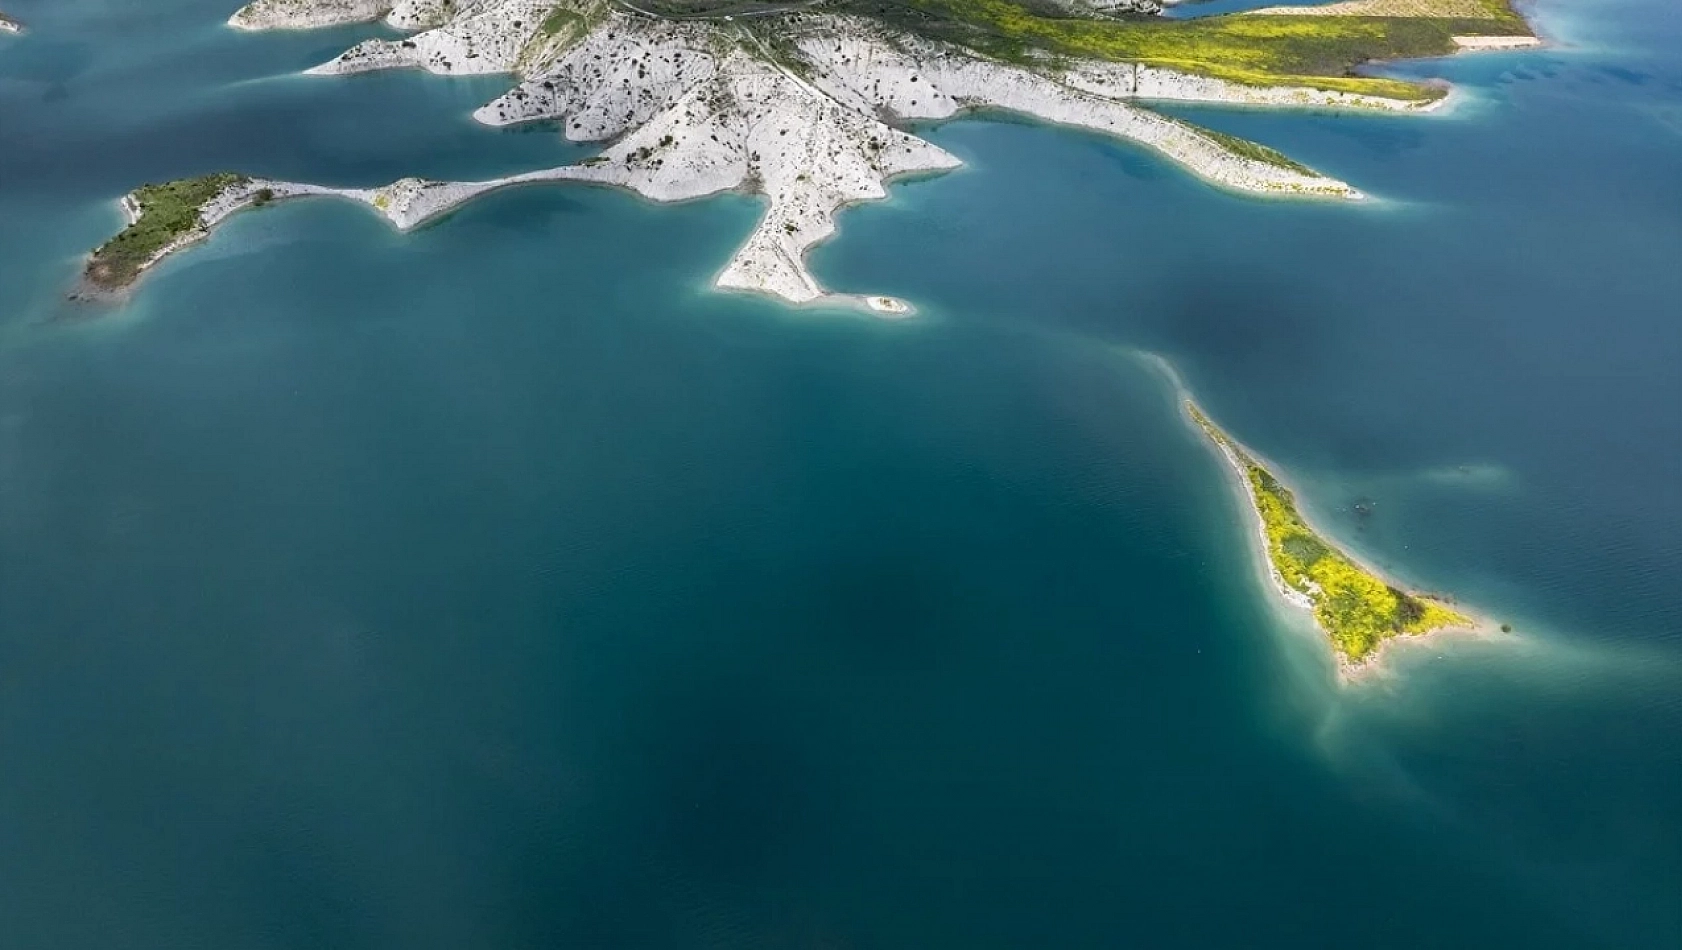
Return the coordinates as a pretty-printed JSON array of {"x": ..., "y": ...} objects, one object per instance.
[{"x": 724, "y": 14}]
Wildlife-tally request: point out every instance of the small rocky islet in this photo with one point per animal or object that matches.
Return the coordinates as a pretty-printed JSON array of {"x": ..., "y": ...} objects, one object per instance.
[{"x": 1360, "y": 611}]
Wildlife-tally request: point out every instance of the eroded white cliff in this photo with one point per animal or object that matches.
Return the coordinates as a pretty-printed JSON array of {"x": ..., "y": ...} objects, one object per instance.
[
  {"x": 800, "y": 108},
  {"x": 307, "y": 14}
]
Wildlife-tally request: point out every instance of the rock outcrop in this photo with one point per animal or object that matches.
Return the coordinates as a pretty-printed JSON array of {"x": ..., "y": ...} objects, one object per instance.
[{"x": 801, "y": 108}]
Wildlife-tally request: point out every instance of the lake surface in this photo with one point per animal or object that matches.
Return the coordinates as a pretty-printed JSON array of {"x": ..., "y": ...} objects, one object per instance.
[{"x": 502, "y": 585}]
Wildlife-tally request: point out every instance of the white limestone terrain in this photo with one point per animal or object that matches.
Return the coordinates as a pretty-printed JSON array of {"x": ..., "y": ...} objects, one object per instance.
[
  {"x": 311, "y": 14},
  {"x": 799, "y": 107},
  {"x": 1476, "y": 44}
]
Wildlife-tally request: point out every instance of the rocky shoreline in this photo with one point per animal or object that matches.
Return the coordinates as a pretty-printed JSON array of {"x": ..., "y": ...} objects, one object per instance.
[
  {"x": 693, "y": 108},
  {"x": 802, "y": 108}
]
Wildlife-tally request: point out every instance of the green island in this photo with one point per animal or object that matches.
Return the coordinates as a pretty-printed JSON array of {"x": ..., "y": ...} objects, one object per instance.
[
  {"x": 1358, "y": 609},
  {"x": 1317, "y": 47},
  {"x": 162, "y": 216}
]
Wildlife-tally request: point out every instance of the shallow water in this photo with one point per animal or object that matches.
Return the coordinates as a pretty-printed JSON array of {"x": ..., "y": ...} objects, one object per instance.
[{"x": 500, "y": 584}]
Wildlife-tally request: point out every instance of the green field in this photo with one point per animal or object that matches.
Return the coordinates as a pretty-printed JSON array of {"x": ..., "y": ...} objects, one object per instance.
[
  {"x": 167, "y": 212},
  {"x": 1357, "y": 608},
  {"x": 1320, "y": 51}
]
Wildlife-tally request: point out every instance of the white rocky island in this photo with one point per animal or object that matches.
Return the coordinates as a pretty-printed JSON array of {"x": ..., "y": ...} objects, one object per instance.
[
  {"x": 793, "y": 102},
  {"x": 9, "y": 25}
]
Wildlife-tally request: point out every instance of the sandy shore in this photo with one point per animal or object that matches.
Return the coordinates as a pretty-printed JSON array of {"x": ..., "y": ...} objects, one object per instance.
[{"x": 1474, "y": 44}]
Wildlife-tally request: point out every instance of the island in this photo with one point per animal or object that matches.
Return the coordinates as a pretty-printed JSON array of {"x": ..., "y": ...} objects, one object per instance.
[
  {"x": 161, "y": 219},
  {"x": 1360, "y": 611},
  {"x": 8, "y": 25},
  {"x": 810, "y": 103}
]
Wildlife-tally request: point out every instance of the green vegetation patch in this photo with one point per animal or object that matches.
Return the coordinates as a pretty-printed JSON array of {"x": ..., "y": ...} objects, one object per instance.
[
  {"x": 167, "y": 212},
  {"x": 1312, "y": 50},
  {"x": 564, "y": 26},
  {"x": 1255, "y": 151},
  {"x": 1357, "y": 608},
  {"x": 579, "y": 21},
  {"x": 558, "y": 20}
]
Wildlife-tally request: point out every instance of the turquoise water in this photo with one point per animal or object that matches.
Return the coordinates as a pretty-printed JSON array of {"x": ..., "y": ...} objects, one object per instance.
[{"x": 501, "y": 585}]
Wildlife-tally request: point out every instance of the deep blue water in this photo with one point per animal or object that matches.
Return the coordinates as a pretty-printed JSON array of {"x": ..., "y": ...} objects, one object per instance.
[{"x": 501, "y": 585}]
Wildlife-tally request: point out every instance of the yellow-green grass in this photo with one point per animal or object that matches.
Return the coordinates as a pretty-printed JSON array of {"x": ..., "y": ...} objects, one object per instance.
[
  {"x": 1358, "y": 609},
  {"x": 167, "y": 212},
  {"x": 578, "y": 19},
  {"x": 1265, "y": 50},
  {"x": 564, "y": 26},
  {"x": 1255, "y": 151}
]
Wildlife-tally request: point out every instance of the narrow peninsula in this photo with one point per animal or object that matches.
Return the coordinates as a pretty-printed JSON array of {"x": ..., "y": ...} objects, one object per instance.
[
  {"x": 1359, "y": 610},
  {"x": 810, "y": 103}
]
